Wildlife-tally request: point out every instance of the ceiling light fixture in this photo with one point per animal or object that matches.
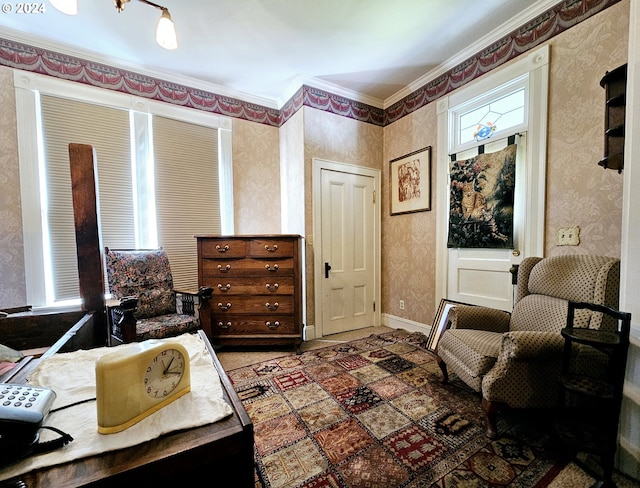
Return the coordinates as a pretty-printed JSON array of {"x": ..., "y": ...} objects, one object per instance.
[{"x": 165, "y": 32}]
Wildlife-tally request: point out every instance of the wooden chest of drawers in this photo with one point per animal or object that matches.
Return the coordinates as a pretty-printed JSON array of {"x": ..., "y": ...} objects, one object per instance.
[{"x": 257, "y": 288}]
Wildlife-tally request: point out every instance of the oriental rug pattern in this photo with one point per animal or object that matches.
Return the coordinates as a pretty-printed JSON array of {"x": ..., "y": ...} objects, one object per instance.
[{"x": 373, "y": 413}]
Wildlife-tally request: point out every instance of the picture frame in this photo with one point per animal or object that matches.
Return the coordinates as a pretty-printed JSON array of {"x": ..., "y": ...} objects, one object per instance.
[
  {"x": 410, "y": 182},
  {"x": 441, "y": 322}
]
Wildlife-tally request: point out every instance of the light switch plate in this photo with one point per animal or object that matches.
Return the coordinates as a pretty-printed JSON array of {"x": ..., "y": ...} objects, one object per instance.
[{"x": 568, "y": 236}]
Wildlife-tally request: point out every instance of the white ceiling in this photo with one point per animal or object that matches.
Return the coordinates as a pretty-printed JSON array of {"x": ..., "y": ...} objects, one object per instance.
[{"x": 376, "y": 51}]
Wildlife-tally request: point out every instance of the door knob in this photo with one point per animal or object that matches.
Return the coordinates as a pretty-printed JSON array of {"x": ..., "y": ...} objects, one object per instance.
[{"x": 327, "y": 268}]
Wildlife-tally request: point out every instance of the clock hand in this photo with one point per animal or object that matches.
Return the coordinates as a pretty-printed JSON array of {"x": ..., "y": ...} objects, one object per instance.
[{"x": 168, "y": 367}]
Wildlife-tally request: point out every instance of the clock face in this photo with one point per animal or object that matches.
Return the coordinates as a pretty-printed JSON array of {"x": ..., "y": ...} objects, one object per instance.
[{"x": 164, "y": 373}]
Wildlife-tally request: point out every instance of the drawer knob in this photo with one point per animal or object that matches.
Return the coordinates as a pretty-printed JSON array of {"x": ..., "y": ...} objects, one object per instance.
[
  {"x": 272, "y": 325},
  {"x": 222, "y": 325},
  {"x": 222, "y": 306},
  {"x": 222, "y": 287},
  {"x": 273, "y": 287},
  {"x": 225, "y": 269},
  {"x": 272, "y": 307},
  {"x": 271, "y": 249},
  {"x": 222, "y": 249},
  {"x": 269, "y": 268}
]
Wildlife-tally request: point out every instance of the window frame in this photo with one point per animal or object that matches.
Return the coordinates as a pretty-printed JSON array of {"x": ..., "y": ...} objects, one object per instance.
[
  {"x": 28, "y": 87},
  {"x": 519, "y": 83}
]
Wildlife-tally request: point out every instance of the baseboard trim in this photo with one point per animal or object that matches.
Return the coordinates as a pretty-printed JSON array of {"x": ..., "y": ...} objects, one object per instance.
[
  {"x": 309, "y": 333},
  {"x": 396, "y": 322},
  {"x": 391, "y": 321}
]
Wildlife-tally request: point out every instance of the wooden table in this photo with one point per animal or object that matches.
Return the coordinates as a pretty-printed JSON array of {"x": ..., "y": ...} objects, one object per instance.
[{"x": 218, "y": 454}]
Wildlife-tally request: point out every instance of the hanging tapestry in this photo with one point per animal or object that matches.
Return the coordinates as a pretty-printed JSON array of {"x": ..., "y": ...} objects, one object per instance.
[{"x": 481, "y": 201}]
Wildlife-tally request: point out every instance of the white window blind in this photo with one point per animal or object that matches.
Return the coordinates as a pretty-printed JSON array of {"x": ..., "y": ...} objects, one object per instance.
[
  {"x": 107, "y": 130},
  {"x": 187, "y": 192},
  {"x": 184, "y": 181}
]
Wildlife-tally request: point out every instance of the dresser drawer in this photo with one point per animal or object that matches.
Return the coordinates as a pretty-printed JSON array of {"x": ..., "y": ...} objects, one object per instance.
[
  {"x": 246, "y": 267},
  {"x": 257, "y": 288},
  {"x": 223, "y": 248},
  {"x": 267, "y": 306},
  {"x": 270, "y": 248},
  {"x": 250, "y": 285},
  {"x": 253, "y": 325}
]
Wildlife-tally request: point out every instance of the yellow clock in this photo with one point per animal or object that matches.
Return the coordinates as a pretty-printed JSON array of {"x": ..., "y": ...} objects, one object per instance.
[{"x": 137, "y": 380}]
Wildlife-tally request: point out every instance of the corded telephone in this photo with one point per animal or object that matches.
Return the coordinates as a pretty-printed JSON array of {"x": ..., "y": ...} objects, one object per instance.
[{"x": 23, "y": 408}]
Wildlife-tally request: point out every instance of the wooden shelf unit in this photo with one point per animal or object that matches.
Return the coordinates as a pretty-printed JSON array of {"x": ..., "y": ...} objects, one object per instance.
[
  {"x": 590, "y": 400},
  {"x": 615, "y": 84}
]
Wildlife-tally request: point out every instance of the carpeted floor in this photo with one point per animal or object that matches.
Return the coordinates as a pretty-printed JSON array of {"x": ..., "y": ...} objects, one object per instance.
[{"x": 367, "y": 409}]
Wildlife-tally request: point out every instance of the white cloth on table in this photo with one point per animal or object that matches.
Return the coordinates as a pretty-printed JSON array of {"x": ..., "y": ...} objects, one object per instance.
[{"x": 72, "y": 377}]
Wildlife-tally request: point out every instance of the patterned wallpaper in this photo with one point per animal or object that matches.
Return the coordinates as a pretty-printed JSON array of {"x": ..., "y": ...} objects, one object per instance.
[
  {"x": 579, "y": 192},
  {"x": 292, "y": 174},
  {"x": 13, "y": 292},
  {"x": 409, "y": 240},
  {"x": 256, "y": 178}
]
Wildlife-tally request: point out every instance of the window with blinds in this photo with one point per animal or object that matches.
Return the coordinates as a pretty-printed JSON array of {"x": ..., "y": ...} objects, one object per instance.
[
  {"x": 107, "y": 130},
  {"x": 157, "y": 186},
  {"x": 187, "y": 194}
]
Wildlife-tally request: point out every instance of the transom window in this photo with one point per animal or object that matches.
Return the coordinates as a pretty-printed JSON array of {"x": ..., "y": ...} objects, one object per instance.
[{"x": 496, "y": 114}]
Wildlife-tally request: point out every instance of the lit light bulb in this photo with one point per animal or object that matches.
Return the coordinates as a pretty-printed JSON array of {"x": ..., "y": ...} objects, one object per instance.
[{"x": 166, "y": 32}]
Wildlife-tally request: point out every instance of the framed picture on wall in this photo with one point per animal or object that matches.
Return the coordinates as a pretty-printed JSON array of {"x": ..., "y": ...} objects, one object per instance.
[
  {"x": 410, "y": 182},
  {"x": 440, "y": 322}
]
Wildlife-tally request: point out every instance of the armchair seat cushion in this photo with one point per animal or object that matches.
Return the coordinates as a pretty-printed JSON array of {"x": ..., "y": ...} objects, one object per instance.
[
  {"x": 167, "y": 325},
  {"x": 474, "y": 351}
]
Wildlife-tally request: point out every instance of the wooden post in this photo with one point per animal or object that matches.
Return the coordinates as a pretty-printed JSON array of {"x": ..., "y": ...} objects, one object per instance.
[{"x": 88, "y": 243}]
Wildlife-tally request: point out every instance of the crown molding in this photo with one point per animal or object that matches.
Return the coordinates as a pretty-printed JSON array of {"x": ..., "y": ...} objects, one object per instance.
[
  {"x": 41, "y": 43},
  {"x": 343, "y": 92},
  {"x": 315, "y": 92},
  {"x": 531, "y": 12}
]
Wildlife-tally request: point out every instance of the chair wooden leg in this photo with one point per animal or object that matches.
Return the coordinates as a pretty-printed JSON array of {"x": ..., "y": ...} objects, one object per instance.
[
  {"x": 443, "y": 368},
  {"x": 491, "y": 410}
]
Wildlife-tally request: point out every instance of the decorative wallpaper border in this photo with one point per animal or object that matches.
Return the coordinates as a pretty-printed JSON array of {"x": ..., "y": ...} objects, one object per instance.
[
  {"x": 547, "y": 25},
  {"x": 37, "y": 60}
]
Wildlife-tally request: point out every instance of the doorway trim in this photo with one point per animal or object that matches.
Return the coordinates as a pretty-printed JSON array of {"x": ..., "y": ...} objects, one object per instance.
[
  {"x": 536, "y": 64},
  {"x": 315, "y": 331}
]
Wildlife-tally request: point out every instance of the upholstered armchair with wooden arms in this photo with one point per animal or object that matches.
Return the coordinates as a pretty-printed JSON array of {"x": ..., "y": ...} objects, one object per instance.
[
  {"x": 145, "y": 305},
  {"x": 514, "y": 360}
]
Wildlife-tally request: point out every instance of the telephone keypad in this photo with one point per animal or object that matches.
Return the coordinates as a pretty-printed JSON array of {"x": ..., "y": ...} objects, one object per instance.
[
  {"x": 32, "y": 401},
  {"x": 21, "y": 395}
]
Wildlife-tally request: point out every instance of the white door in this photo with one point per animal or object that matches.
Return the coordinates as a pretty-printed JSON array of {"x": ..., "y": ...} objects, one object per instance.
[
  {"x": 347, "y": 251},
  {"x": 482, "y": 276}
]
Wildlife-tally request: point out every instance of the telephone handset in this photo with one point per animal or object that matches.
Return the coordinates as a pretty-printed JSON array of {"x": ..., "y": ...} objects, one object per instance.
[{"x": 23, "y": 408}]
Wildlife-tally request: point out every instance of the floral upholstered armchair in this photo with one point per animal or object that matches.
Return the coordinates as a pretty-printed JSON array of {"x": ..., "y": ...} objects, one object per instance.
[
  {"x": 514, "y": 360},
  {"x": 145, "y": 304}
]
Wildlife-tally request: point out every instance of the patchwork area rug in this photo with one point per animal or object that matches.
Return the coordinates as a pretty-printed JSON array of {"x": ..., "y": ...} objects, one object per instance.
[{"x": 373, "y": 413}]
